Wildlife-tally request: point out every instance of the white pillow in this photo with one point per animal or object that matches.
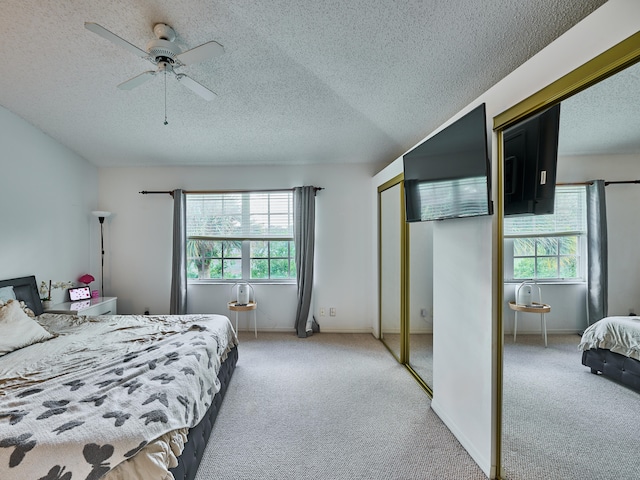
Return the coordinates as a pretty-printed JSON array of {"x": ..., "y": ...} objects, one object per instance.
[
  {"x": 17, "y": 330},
  {"x": 23, "y": 306},
  {"x": 7, "y": 293}
]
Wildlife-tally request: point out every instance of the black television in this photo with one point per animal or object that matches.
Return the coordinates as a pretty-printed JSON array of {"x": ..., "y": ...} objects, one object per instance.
[
  {"x": 449, "y": 175},
  {"x": 530, "y": 164}
]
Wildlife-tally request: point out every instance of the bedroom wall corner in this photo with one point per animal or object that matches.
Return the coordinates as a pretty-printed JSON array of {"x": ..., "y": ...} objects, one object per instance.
[{"x": 48, "y": 192}]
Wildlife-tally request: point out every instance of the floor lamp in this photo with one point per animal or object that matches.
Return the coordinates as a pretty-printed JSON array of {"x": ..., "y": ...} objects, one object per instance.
[{"x": 101, "y": 216}]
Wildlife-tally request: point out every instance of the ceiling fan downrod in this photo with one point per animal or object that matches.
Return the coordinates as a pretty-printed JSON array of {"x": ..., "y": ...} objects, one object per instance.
[{"x": 165, "y": 98}]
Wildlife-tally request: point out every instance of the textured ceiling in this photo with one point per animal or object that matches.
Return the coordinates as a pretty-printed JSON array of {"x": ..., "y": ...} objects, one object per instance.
[
  {"x": 300, "y": 81},
  {"x": 604, "y": 119}
]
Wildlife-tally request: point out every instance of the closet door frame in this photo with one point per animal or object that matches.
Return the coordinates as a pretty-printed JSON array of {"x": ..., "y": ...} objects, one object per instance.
[{"x": 404, "y": 354}]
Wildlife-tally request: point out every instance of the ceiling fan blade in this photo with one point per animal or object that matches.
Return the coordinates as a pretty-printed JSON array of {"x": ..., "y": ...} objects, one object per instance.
[
  {"x": 196, "y": 87},
  {"x": 112, "y": 37},
  {"x": 204, "y": 52},
  {"x": 137, "y": 80}
]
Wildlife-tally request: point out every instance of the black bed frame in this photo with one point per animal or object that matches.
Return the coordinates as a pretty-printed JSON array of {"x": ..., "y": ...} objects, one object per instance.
[
  {"x": 617, "y": 367},
  {"x": 26, "y": 289},
  {"x": 198, "y": 436}
]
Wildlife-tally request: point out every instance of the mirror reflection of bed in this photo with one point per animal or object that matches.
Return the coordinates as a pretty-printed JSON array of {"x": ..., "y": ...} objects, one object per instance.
[{"x": 553, "y": 422}]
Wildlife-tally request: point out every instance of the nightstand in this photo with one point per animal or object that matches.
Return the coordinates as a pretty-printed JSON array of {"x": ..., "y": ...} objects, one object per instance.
[{"x": 90, "y": 306}]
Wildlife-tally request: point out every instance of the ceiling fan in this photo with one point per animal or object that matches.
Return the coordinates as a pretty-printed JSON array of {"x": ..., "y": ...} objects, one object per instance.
[{"x": 166, "y": 55}]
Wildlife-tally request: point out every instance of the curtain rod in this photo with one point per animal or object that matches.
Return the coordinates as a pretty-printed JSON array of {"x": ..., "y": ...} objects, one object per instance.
[
  {"x": 605, "y": 183},
  {"x": 203, "y": 192}
]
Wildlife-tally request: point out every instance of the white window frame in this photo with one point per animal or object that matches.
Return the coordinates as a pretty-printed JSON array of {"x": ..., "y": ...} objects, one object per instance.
[
  {"x": 554, "y": 232},
  {"x": 246, "y": 236}
]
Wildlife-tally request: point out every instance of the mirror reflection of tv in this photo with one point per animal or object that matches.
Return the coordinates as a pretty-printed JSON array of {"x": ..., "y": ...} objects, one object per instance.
[
  {"x": 530, "y": 161},
  {"x": 449, "y": 175}
]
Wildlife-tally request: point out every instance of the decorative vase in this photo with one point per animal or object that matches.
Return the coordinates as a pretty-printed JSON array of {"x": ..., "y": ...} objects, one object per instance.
[{"x": 46, "y": 304}]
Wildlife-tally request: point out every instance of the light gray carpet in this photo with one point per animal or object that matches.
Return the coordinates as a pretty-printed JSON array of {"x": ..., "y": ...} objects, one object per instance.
[
  {"x": 332, "y": 406},
  {"x": 420, "y": 353},
  {"x": 562, "y": 422}
]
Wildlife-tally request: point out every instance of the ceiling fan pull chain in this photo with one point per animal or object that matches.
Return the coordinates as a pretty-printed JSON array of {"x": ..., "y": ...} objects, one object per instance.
[{"x": 165, "y": 98}]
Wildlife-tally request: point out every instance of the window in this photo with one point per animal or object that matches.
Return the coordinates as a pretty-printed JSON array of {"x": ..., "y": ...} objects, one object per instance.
[
  {"x": 548, "y": 247},
  {"x": 240, "y": 236}
]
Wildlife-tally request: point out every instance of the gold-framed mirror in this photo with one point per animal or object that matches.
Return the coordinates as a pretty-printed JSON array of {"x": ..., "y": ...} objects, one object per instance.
[{"x": 595, "y": 73}]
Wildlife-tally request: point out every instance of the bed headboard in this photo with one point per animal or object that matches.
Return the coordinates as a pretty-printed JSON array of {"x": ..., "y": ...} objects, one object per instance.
[{"x": 26, "y": 289}]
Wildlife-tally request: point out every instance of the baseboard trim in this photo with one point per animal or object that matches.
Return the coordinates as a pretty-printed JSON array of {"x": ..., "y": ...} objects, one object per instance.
[
  {"x": 549, "y": 332},
  {"x": 322, "y": 330}
]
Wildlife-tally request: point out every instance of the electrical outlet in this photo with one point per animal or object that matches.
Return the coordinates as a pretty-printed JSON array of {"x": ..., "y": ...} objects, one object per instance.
[
  {"x": 424, "y": 313},
  {"x": 332, "y": 312},
  {"x": 322, "y": 312}
]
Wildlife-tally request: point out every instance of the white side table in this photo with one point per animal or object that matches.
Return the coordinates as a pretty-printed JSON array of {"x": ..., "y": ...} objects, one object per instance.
[
  {"x": 251, "y": 306},
  {"x": 90, "y": 306},
  {"x": 540, "y": 308}
]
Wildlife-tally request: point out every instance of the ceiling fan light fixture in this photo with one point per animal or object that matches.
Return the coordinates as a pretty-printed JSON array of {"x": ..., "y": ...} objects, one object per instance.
[{"x": 162, "y": 49}]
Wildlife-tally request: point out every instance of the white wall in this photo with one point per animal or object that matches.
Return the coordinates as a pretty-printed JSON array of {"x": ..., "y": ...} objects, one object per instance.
[
  {"x": 465, "y": 306},
  {"x": 139, "y": 250},
  {"x": 568, "y": 309},
  {"x": 47, "y": 193}
]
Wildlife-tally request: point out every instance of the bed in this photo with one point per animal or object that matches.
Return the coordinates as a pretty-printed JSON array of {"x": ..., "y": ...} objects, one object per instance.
[
  {"x": 110, "y": 397},
  {"x": 611, "y": 347}
]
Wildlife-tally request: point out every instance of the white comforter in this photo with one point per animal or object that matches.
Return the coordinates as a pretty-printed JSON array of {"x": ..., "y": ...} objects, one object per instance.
[
  {"x": 618, "y": 334},
  {"x": 104, "y": 389}
]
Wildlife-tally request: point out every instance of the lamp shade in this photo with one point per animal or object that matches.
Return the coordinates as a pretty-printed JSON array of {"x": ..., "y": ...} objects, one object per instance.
[
  {"x": 86, "y": 279},
  {"x": 100, "y": 213}
]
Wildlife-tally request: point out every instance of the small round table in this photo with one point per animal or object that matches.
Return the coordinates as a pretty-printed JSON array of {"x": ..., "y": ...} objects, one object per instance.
[
  {"x": 540, "y": 308},
  {"x": 237, "y": 307}
]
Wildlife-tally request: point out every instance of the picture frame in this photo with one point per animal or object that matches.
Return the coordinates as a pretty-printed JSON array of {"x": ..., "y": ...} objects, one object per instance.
[{"x": 79, "y": 293}]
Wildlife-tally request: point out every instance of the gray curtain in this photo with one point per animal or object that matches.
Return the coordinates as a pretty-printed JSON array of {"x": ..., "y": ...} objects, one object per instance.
[
  {"x": 304, "y": 209},
  {"x": 597, "y": 264},
  {"x": 178, "y": 304}
]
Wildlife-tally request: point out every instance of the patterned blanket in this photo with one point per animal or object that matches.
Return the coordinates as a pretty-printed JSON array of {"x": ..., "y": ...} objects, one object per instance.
[{"x": 77, "y": 405}]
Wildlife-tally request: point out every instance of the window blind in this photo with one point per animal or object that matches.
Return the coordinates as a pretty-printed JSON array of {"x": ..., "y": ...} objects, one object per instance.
[
  {"x": 570, "y": 216},
  {"x": 242, "y": 215},
  {"x": 463, "y": 197}
]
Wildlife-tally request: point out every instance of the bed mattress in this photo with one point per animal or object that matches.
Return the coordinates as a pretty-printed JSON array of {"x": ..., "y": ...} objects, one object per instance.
[
  {"x": 107, "y": 392},
  {"x": 617, "y": 333}
]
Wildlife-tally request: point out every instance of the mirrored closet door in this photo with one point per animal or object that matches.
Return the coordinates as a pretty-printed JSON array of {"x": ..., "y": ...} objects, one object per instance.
[
  {"x": 406, "y": 284},
  {"x": 540, "y": 421},
  {"x": 391, "y": 282},
  {"x": 420, "y": 311}
]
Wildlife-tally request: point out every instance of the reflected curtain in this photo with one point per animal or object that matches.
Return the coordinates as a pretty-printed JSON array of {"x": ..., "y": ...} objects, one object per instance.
[
  {"x": 304, "y": 239},
  {"x": 597, "y": 263},
  {"x": 178, "y": 305}
]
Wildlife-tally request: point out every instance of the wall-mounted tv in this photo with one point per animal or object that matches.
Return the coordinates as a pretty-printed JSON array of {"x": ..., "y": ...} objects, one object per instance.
[
  {"x": 530, "y": 160},
  {"x": 449, "y": 175}
]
